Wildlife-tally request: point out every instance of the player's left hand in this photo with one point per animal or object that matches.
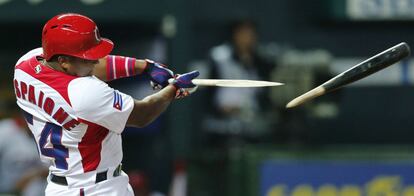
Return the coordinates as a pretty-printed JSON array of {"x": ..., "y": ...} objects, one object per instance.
[
  {"x": 158, "y": 74},
  {"x": 184, "y": 84}
]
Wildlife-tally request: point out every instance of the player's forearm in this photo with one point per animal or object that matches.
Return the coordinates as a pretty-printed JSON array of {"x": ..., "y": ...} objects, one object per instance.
[
  {"x": 114, "y": 67},
  {"x": 148, "y": 109}
]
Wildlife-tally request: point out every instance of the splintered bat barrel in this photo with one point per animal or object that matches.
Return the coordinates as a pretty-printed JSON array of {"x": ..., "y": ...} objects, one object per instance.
[
  {"x": 361, "y": 70},
  {"x": 369, "y": 66},
  {"x": 234, "y": 83}
]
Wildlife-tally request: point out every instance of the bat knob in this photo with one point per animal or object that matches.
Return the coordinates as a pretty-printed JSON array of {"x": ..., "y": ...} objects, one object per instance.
[{"x": 172, "y": 81}]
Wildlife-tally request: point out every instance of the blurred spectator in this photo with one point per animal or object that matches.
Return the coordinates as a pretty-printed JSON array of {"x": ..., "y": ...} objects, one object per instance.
[
  {"x": 21, "y": 171},
  {"x": 233, "y": 116},
  {"x": 179, "y": 182},
  {"x": 139, "y": 183},
  {"x": 239, "y": 111}
]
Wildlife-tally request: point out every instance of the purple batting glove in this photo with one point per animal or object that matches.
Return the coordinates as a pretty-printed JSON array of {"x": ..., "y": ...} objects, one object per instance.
[
  {"x": 158, "y": 74},
  {"x": 184, "y": 84}
]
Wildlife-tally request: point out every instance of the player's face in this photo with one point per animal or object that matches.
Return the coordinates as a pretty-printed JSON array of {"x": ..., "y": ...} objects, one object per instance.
[
  {"x": 81, "y": 67},
  {"x": 245, "y": 37}
]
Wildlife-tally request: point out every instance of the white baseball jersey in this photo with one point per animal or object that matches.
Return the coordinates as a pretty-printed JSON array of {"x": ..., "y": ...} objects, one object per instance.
[{"x": 76, "y": 121}]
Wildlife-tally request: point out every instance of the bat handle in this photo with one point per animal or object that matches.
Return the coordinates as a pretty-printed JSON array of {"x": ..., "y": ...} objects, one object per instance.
[{"x": 194, "y": 81}]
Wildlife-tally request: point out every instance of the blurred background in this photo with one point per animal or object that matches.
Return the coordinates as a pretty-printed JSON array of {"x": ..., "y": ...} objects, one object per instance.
[{"x": 241, "y": 142}]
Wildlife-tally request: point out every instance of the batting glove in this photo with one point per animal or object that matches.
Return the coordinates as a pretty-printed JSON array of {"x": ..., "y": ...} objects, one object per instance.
[
  {"x": 184, "y": 84},
  {"x": 158, "y": 73}
]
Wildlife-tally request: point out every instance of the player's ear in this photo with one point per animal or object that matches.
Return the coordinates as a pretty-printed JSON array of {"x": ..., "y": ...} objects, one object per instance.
[{"x": 64, "y": 62}]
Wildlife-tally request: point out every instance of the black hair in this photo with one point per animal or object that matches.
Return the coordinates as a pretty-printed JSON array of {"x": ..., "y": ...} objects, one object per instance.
[{"x": 55, "y": 58}]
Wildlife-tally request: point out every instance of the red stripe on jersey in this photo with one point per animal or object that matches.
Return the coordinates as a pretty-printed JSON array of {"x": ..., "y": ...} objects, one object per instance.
[
  {"x": 119, "y": 67},
  {"x": 91, "y": 145},
  {"x": 55, "y": 79}
]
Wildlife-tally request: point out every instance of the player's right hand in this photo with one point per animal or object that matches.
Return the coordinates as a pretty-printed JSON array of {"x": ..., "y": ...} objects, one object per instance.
[
  {"x": 158, "y": 74},
  {"x": 184, "y": 84}
]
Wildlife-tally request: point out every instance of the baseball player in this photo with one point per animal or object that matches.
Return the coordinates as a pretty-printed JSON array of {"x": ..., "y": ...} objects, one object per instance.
[{"x": 75, "y": 117}]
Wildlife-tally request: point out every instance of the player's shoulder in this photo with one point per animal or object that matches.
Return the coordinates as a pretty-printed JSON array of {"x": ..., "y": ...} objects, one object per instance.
[
  {"x": 84, "y": 91},
  {"x": 30, "y": 54},
  {"x": 88, "y": 82}
]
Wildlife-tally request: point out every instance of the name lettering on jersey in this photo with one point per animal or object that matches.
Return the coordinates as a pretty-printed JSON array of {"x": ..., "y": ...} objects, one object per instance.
[{"x": 45, "y": 103}]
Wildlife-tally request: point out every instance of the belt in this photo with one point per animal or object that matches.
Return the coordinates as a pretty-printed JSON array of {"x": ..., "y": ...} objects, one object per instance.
[{"x": 101, "y": 176}]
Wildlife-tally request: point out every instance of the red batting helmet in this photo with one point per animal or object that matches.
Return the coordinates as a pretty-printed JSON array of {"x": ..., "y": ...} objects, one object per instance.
[{"x": 74, "y": 35}]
